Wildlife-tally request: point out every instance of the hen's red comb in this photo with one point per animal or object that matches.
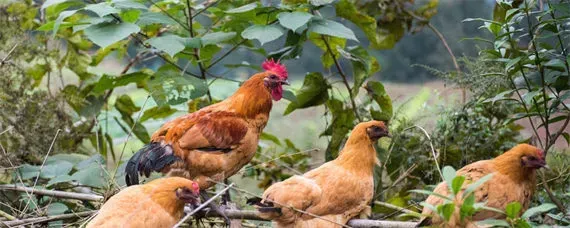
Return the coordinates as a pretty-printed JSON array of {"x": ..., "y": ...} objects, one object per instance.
[
  {"x": 275, "y": 67},
  {"x": 195, "y": 187}
]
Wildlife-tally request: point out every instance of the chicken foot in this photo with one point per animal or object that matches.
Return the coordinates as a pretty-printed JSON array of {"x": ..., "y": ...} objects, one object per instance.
[
  {"x": 215, "y": 207},
  {"x": 226, "y": 198}
]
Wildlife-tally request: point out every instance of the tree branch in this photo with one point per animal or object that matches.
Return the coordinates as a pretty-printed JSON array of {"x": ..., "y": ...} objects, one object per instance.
[
  {"x": 44, "y": 219},
  {"x": 57, "y": 194}
]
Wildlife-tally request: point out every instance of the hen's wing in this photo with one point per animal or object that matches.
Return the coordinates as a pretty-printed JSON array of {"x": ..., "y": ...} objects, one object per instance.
[
  {"x": 298, "y": 192},
  {"x": 206, "y": 131}
]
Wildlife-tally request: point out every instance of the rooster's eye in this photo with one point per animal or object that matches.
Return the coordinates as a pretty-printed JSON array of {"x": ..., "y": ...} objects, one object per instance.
[{"x": 273, "y": 76}]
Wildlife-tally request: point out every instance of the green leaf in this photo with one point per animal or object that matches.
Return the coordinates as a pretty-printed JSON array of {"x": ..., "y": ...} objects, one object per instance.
[
  {"x": 125, "y": 105},
  {"x": 109, "y": 82},
  {"x": 169, "y": 86},
  {"x": 457, "y": 183},
  {"x": 93, "y": 175},
  {"x": 467, "y": 207},
  {"x": 342, "y": 122},
  {"x": 55, "y": 168},
  {"x": 331, "y": 28},
  {"x": 335, "y": 43},
  {"x": 262, "y": 33},
  {"x": 543, "y": 208},
  {"x": 312, "y": 93},
  {"x": 102, "y": 9},
  {"x": 60, "y": 18},
  {"x": 157, "y": 112},
  {"x": 346, "y": 9},
  {"x": 217, "y": 37},
  {"x": 555, "y": 64},
  {"x": 59, "y": 179},
  {"x": 28, "y": 171},
  {"x": 49, "y": 3},
  {"x": 128, "y": 4},
  {"x": 320, "y": 2},
  {"x": 446, "y": 210},
  {"x": 56, "y": 208},
  {"x": 294, "y": 20},
  {"x": 72, "y": 158},
  {"x": 566, "y": 136},
  {"x": 107, "y": 33},
  {"x": 148, "y": 18},
  {"x": 378, "y": 93},
  {"x": 270, "y": 137},
  {"x": 448, "y": 175},
  {"x": 290, "y": 96},
  {"x": 173, "y": 44},
  {"x": 493, "y": 223},
  {"x": 244, "y": 8},
  {"x": 37, "y": 72},
  {"x": 363, "y": 66},
  {"x": 512, "y": 209},
  {"x": 130, "y": 16}
]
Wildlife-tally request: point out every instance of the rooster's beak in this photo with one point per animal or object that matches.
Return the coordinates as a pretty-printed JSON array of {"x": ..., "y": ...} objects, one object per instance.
[{"x": 285, "y": 82}]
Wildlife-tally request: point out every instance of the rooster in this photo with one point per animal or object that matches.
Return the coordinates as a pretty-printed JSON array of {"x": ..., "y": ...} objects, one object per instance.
[
  {"x": 335, "y": 192},
  {"x": 159, "y": 203},
  {"x": 514, "y": 179}
]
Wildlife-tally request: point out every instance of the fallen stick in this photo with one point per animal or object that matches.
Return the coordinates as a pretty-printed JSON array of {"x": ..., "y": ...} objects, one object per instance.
[
  {"x": 58, "y": 194},
  {"x": 30, "y": 221}
]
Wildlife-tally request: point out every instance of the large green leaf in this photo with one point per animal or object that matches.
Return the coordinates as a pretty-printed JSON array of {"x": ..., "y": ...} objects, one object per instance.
[
  {"x": 107, "y": 82},
  {"x": 346, "y": 9},
  {"x": 217, "y": 37},
  {"x": 448, "y": 175},
  {"x": 102, "y": 9},
  {"x": 128, "y": 4},
  {"x": 314, "y": 92},
  {"x": 56, "y": 168},
  {"x": 363, "y": 66},
  {"x": 342, "y": 122},
  {"x": 543, "y": 208},
  {"x": 335, "y": 43},
  {"x": 244, "y": 8},
  {"x": 512, "y": 209},
  {"x": 60, "y": 18},
  {"x": 331, "y": 28},
  {"x": 93, "y": 175},
  {"x": 169, "y": 86},
  {"x": 294, "y": 20},
  {"x": 446, "y": 210},
  {"x": 262, "y": 33},
  {"x": 157, "y": 112},
  {"x": 378, "y": 93},
  {"x": 107, "y": 33},
  {"x": 125, "y": 104},
  {"x": 173, "y": 44},
  {"x": 148, "y": 18}
]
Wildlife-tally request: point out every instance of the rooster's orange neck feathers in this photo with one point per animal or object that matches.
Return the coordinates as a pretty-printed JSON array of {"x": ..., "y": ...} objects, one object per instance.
[{"x": 252, "y": 97}]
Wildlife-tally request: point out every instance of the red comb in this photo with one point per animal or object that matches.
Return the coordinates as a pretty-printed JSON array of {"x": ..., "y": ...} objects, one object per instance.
[
  {"x": 196, "y": 187},
  {"x": 275, "y": 67},
  {"x": 541, "y": 153}
]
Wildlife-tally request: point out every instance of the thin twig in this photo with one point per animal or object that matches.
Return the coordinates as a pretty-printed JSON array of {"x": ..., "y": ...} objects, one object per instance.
[
  {"x": 7, "y": 216},
  {"x": 434, "y": 154},
  {"x": 196, "y": 50},
  {"x": 5, "y": 59},
  {"x": 394, "y": 207},
  {"x": 445, "y": 44},
  {"x": 226, "y": 54},
  {"x": 168, "y": 15},
  {"x": 53, "y": 193},
  {"x": 183, "y": 220},
  {"x": 344, "y": 78}
]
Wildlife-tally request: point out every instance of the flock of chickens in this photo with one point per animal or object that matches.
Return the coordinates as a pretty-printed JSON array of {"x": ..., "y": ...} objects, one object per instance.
[{"x": 200, "y": 149}]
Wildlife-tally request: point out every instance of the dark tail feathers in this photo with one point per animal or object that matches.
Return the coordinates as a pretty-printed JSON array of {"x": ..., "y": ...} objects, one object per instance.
[
  {"x": 266, "y": 207},
  {"x": 152, "y": 157}
]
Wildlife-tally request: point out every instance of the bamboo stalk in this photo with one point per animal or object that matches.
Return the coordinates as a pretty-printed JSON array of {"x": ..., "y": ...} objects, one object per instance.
[{"x": 57, "y": 194}]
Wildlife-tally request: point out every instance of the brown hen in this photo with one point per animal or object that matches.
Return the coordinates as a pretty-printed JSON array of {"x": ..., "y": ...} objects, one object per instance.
[
  {"x": 514, "y": 179},
  {"x": 336, "y": 191}
]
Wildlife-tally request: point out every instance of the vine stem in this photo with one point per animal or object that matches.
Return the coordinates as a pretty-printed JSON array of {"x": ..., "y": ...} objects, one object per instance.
[{"x": 344, "y": 78}]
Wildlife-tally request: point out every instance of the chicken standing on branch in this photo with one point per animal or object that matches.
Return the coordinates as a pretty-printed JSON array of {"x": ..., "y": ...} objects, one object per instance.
[
  {"x": 336, "y": 191},
  {"x": 216, "y": 141},
  {"x": 159, "y": 203},
  {"x": 514, "y": 179}
]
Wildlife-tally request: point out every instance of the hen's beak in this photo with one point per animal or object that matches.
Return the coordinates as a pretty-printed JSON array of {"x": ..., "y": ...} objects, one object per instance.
[{"x": 285, "y": 82}]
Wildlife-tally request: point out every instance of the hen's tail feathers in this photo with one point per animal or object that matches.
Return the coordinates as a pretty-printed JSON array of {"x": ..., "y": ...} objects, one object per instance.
[
  {"x": 152, "y": 157},
  {"x": 425, "y": 222},
  {"x": 266, "y": 207}
]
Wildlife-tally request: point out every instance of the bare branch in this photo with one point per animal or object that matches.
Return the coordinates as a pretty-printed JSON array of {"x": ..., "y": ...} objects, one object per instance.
[
  {"x": 183, "y": 220},
  {"x": 45, "y": 219},
  {"x": 53, "y": 193}
]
